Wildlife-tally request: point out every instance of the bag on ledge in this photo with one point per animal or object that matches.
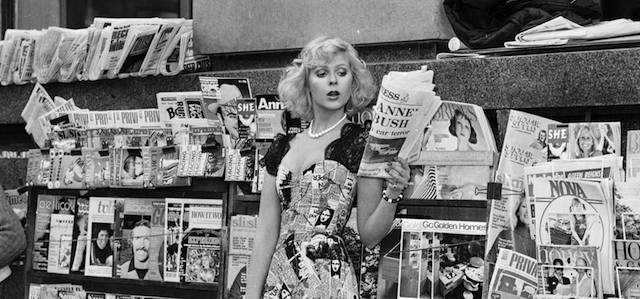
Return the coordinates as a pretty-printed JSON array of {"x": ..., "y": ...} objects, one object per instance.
[{"x": 489, "y": 23}]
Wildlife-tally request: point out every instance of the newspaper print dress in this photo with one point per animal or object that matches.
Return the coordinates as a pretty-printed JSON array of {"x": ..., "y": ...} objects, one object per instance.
[{"x": 311, "y": 260}]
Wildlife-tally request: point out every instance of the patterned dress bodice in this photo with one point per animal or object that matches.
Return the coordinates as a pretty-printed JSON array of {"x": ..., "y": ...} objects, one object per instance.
[{"x": 311, "y": 258}]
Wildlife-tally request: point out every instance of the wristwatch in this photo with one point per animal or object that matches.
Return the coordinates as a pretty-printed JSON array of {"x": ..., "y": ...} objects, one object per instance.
[{"x": 391, "y": 200}]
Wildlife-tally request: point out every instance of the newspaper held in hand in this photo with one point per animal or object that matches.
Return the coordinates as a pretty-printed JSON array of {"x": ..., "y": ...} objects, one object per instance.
[
  {"x": 406, "y": 102},
  {"x": 515, "y": 276}
]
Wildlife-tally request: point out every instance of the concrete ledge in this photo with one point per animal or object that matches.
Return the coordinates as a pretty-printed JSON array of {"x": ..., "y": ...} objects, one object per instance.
[{"x": 574, "y": 79}]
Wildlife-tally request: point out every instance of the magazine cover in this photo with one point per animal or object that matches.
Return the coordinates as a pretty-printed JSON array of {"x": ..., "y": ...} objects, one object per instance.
[
  {"x": 173, "y": 239},
  {"x": 405, "y": 104},
  {"x": 45, "y": 168},
  {"x": 259, "y": 170},
  {"x": 627, "y": 209},
  {"x": 130, "y": 167},
  {"x": 102, "y": 216},
  {"x": 201, "y": 252},
  {"x": 33, "y": 164},
  {"x": 236, "y": 166},
  {"x": 141, "y": 238},
  {"x": 588, "y": 168},
  {"x": 558, "y": 142},
  {"x": 633, "y": 156},
  {"x": 167, "y": 167},
  {"x": 237, "y": 275},
  {"x": 247, "y": 124},
  {"x": 96, "y": 168},
  {"x": 270, "y": 117},
  {"x": 525, "y": 144},
  {"x": 71, "y": 171},
  {"x": 46, "y": 206},
  {"x": 80, "y": 236},
  {"x": 19, "y": 203},
  {"x": 220, "y": 97},
  {"x": 509, "y": 228},
  {"x": 458, "y": 127},
  {"x": 242, "y": 230},
  {"x": 60, "y": 243},
  {"x": 576, "y": 212},
  {"x": 573, "y": 271},
  {"x": 515, "y": 276},
  {"x": 172, "y": 105},
  {"x": 627, "y": 281},
  {"x": 202, "y": 155},
  {"x": 594, "y": 139},
  {"x": 432, "y": 259}
]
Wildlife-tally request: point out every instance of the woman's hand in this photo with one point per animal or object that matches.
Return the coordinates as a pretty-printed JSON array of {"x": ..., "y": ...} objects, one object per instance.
[{"x": 399, "y": 177}]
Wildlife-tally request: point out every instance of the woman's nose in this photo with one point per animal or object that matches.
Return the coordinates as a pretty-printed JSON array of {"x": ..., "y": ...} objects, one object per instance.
[{"x": 333, "y": 79}]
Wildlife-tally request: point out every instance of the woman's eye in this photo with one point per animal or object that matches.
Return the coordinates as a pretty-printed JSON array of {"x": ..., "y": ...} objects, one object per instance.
[
  {"x": 342, "y": 73},
  {"x": 321, "y": 73}
]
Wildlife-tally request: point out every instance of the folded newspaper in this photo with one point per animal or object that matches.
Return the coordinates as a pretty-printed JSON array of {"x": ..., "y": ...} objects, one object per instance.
[
  {"x": 406, "y": 103},
  {"x": 560, "y": 30}
]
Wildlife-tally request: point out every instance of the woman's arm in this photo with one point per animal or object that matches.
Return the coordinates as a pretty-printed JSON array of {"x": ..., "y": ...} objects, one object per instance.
[
  {"x": 265, "y": 239},
  {"x": 375, "y": 216}
]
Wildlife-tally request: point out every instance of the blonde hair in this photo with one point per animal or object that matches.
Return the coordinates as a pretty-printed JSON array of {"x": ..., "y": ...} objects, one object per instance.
[{"x": 294, "y": 89}]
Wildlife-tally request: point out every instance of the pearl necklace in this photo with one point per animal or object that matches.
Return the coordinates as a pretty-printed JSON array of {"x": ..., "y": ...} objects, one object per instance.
[{"x": 327, "y": 130}]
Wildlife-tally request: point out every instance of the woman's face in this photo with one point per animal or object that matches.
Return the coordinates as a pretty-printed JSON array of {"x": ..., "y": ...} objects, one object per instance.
[
  {"x": 523, "y": 213},
  {"x": 542, "y": 136},
  {"x": 463, "y": 128},
  {"x": 330, "y": 85},
  {"x": 335, "y": 265},
  {"x": 585, "y": 142},
  {"x": 324, "y": 217}
]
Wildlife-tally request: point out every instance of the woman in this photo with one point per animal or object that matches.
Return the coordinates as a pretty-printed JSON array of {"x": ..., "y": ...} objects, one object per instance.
[
  {"x": 579, "y": 224},
  {"x": 517, "y": 239},
  {"x": 317, "y": 168},
  {"x": 586, "y": 142},
  {"x": 460, "y": 127},
  {"x": 540, "y": 143}
]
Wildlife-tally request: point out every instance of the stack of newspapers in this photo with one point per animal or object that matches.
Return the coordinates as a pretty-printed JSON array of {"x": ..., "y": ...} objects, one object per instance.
[
  {"x": 566, "y": 202},
  {"x": 109, "y": 48}
]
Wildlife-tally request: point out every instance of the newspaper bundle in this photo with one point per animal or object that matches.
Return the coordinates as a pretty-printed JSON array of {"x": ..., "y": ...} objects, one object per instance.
[{"x": 405, "y": 104}]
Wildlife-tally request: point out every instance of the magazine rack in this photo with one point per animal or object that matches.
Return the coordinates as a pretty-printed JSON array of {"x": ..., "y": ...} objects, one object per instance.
[{"x": 200, "y": 188}]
